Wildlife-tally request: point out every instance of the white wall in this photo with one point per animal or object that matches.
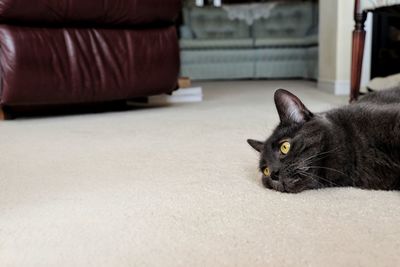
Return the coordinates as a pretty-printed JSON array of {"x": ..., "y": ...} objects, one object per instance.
[
  {"x": 328, "y": 10},
  {"x": 344, "y": 39}
]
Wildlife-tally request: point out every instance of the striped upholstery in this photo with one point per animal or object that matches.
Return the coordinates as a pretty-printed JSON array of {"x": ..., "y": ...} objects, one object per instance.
[
  {"x": 284, "y": 45},
  {"x": 372, "y": 4}
]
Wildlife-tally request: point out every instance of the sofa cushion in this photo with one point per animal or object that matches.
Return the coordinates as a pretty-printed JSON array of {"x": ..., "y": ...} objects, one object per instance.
[
  {"x": 117, "y": 12},
  {"x": 215, "y": 44},
  {"x": 218, "y": 64},
  {"x": 74, "y": 65},
  {"x": 287, "y": 42},
  {"x": 214, "y": 23},
  {"x": 289, "y": 20}
]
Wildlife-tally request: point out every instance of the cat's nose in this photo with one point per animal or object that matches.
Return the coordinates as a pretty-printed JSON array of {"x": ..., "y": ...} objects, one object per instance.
[{"x": 275, "y": 175}]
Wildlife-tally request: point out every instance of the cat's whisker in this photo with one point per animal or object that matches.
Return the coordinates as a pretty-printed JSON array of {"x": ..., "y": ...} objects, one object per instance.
[
  {"x": 306, "y": 176},
  {"x": 313, "y": 175},
  {"x": 326, "y": 168},
  {"x": 314, "y": 159},
  {"x": 320, "y": 154}
]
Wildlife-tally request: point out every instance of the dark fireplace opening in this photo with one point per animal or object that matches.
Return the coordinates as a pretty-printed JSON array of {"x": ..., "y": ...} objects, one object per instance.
[{"x": 385, "y": 58}]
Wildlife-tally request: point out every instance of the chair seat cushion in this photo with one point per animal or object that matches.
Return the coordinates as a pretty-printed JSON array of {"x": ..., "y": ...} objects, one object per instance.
[
  {"x": 75, "y": 65},
  {"x": 117, "y": 12},
  {"x": 373, "y": 4}
]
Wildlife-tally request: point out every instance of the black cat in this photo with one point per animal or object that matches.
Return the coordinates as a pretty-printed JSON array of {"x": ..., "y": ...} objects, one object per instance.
[{"x": 355, "y": 145}]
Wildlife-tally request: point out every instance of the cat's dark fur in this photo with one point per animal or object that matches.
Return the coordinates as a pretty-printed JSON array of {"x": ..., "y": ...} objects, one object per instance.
[{"x": 355, "y": 145}]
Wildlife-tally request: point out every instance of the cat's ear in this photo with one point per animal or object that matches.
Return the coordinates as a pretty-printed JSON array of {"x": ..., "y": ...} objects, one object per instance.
[
  {"x": 257, "y": 145},
  {"x": 290, "y": 108}
]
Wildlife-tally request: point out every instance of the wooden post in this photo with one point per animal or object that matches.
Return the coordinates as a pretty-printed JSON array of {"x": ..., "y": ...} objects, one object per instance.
[
  {"x": 6, "y": 114},
  {"x": 184, "y": 82},
  {"x": 2, "y": 115},
  {"x": 358, "y": 50}
]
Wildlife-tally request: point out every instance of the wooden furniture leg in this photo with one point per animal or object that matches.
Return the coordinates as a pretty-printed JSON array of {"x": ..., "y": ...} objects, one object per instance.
[
  {"x": 358, "y": 50},
  {"x": 2, "y": 115},
  {"x": 5, "y": 114}
]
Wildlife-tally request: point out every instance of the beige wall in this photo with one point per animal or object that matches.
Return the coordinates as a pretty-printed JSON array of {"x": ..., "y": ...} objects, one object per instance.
[
  {"x": 336, "y": 25},
  {"x": 344, "y": 38},
  {"x": 327, "y": 39}
]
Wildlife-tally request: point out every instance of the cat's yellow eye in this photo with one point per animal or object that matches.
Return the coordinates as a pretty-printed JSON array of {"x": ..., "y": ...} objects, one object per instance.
[
  {"x": 285, "y": 147},
  {"x": 266, "y": 171}
]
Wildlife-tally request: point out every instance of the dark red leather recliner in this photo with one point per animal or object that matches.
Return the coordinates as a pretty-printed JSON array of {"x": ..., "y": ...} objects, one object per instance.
[{"x": 63, "y": 52}]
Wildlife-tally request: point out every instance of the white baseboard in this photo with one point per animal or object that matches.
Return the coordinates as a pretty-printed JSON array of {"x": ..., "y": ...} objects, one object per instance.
[{"x": 338, "y": 87}]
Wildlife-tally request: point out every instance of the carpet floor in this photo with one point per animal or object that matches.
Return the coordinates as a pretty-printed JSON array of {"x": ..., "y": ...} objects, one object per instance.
[{"x": 178, "y": 186}]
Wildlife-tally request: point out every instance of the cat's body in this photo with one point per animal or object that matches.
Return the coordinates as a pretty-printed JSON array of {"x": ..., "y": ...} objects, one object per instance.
[{"x": 355, "y": 145}]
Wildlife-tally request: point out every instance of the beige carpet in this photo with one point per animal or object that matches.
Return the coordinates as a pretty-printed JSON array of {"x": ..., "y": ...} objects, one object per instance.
[{"x": 178, "y": 186}]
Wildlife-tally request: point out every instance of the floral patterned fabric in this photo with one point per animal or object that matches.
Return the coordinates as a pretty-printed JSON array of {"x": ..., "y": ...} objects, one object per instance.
[
  {"x": 249, "y": 12},
  {"x": 372, "y": 4}
]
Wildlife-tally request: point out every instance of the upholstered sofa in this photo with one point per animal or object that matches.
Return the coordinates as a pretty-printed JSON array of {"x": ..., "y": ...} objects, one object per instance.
[
  {"x": 71, "y": 52},
  {"x": 283, "y": 45}
]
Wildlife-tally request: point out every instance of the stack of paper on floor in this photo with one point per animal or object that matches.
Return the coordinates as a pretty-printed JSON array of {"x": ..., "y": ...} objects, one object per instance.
[{"x": 192, "y": 94}]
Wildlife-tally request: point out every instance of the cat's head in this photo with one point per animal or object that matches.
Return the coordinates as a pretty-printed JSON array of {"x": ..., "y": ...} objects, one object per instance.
[{"x": 292, "y": 158}]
